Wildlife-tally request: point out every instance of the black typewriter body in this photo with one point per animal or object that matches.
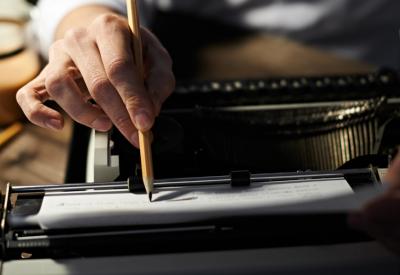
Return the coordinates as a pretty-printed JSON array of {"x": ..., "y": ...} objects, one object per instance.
[
  {"x": 273, "y": 125},
  {"x": 299, "y": 126}
]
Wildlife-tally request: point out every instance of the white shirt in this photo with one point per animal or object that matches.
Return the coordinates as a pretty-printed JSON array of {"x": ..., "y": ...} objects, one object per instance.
[{"x": 362, "y": 29}]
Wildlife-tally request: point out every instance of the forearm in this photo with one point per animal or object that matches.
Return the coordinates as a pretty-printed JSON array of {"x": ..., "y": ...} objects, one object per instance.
[{"x": 80, "y": 17}]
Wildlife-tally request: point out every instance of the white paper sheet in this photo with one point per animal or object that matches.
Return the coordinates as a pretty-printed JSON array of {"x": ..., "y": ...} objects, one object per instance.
[{"x": 175, "y": 205}]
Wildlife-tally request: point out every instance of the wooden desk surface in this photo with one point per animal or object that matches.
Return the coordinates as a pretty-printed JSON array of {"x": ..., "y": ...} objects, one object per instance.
[{"x": 35, "y": 156}]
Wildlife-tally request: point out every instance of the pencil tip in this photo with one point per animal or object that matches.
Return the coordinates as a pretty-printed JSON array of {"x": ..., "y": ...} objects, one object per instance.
[{"x": 150, "y": 196}]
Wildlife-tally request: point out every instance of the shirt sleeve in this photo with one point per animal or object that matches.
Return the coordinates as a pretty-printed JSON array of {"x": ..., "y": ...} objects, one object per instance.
[{"x": 49, "y": 13}]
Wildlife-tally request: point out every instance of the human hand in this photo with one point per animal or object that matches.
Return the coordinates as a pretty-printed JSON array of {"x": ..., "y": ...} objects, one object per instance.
[
  {"x": 380, "y": 218},
  {"x": 97, "y": 62}
]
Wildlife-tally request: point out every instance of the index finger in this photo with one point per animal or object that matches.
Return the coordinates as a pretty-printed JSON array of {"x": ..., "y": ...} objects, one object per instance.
[
  {"x": 31, "y": 98},
  {"x": 114, "y": 40}
]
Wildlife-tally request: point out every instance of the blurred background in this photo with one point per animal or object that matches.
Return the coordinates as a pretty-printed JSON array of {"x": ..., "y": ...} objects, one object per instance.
[{"x": 28, "y": 154}]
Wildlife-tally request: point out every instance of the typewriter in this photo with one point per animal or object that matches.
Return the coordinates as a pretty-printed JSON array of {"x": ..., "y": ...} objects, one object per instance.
[
  {"x": 270, "y": 125},
  {"x": 226, "y": 132}
]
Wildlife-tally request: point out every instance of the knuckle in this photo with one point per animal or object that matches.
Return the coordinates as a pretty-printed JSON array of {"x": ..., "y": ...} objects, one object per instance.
[
  {"x": 72, "y": 72},
  {"x": 99, "y": 87},
  {"x": 55, "y": 82},
  {"x": 105, "y": 20},
  {"x": 118, "y": 67},
  {"x": 33, "y": 112},
  {"x": 75, "y": 34},
  {"x": 107, "y": 24},
  {"x": 20, "y": 96},
  {"x": 132, "y": 102}
]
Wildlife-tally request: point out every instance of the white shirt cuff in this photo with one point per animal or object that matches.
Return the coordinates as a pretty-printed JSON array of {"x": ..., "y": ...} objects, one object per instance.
[{"x": 51, "y": 12}]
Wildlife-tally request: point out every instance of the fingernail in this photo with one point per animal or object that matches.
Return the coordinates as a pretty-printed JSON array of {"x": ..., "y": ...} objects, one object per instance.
[
  {"x": 102, "y": 123},
  {"x": 143, "y": 121},
  {"x": 135, "y": 139},
  {"x": 356, "y": 220},
  {"x": 54, "y": 124}
]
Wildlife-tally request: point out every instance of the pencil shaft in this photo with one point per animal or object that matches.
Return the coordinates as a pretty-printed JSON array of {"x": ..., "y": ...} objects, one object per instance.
[
  {"x": 134, "y": 24},
  {"x": 144, "y": 137},
  {"x": 146, "y": 160}
]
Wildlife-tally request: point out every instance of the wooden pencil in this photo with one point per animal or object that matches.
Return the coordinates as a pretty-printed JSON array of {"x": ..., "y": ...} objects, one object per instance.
[{"x": 144, "y": 137}]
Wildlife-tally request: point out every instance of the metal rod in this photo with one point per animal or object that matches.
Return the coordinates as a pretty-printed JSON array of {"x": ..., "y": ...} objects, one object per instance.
[
  {"x": 262, "y": 178},
  {"x": 121, "y": 184},
  {"x": 69, "y": 186},
  {"x": 117, "y": 233},
  {"x": 177, "y": 182},
  {"x": 192, "y": 179},
  {"x": 192, "y": 182}
]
